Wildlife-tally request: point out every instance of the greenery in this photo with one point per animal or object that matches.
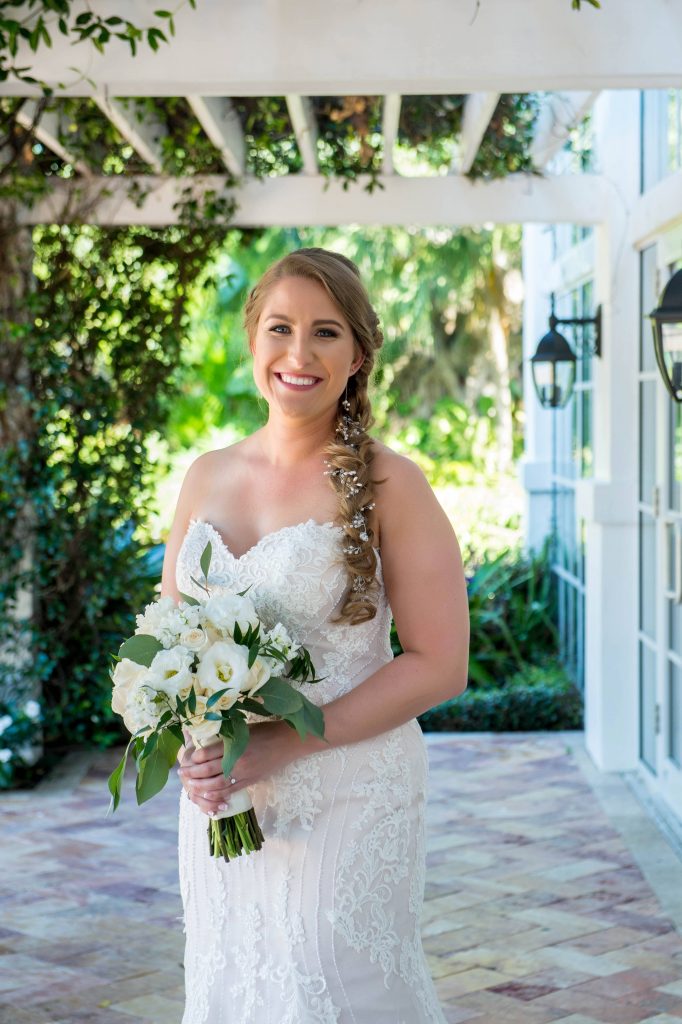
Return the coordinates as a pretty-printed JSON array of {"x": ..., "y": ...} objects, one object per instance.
[
  {"x": 539, "y": 698},
  {"x": 107, "y": 368}
]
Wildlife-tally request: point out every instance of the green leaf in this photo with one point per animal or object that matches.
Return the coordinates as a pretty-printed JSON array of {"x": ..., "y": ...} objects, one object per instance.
[
  {"x": 205, "y": 560},
  {"x": 235, "y": 734},
  {"x": 192, "y": 700},
  {"x": 116, "y": 778},
  {"x": 141, "y": 649},
  {"x": 153, "y": 770},
  {"x": 150, "y": 745},
  {"x": 213, "y": 716},
  {"x": 253, "y": 652},
  {"x": 214, "y": 698},
  {"x": 188, "y": 598},
  {"x": 279, "y": 697}
]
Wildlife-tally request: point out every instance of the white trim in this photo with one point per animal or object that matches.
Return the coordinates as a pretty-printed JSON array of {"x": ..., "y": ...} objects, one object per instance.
[
  {"x": 221, "y": 123},
  {"x": 271, "y": 48},
  {"x": 478, "y": 109},
  {"x": 390, "y": 122},
  {"x": 656, "y": 211},
  {"x": 47, "y": 132},
  {"x": 559, "y": 114},
  {"x": 143, "y": 136},
  {"x": 305, "y": 129},
  {"x": 295, "y": 199}
]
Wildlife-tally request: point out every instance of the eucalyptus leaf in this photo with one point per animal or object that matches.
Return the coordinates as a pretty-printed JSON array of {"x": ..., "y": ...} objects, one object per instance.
[{"x": 140, "y": 648}]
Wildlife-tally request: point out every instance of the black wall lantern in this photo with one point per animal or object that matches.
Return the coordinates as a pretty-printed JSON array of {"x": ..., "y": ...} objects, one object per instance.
[
  {"x": 553, "y": 365},
  {"x": 666, "y": 321}
]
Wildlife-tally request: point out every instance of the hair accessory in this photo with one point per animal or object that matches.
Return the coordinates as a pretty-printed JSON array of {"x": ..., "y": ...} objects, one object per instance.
[{"x": 232, "y": 781}]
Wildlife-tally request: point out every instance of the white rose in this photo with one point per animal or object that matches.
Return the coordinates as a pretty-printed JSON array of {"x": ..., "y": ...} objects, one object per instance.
[
  {"x": 223, "y": 665},
  {"x": 170, "y": 672},
  {"x": 202, "y": 731},
  {"x": 5, "y": 723},
  {"x": 194, "y": 638},
  {"x": 5, "y": 755},
  {"x": 259, "y": 673},
  {"x": 224, "y": 610},
  {"x": 126, "y": 676},
  {"x": 32, "y": 709}
]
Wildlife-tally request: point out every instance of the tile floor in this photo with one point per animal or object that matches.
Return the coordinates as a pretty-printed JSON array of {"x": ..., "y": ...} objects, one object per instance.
[{"x": 536, "y": 908}]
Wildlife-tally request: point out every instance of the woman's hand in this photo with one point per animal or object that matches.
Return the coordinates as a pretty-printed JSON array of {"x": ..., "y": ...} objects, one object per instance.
[{"x": 272, "y": 745}]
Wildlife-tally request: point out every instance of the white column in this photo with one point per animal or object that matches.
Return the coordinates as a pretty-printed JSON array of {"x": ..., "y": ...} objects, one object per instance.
[
  {"x": 608, "y": 502},
  {"x": 536, "y": 462}
]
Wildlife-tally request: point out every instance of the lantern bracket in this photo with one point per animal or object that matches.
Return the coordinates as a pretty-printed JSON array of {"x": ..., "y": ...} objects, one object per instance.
[{"x": 581, "y": 321}]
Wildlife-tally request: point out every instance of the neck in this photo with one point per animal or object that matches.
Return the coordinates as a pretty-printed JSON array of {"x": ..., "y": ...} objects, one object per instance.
[{"x": 285, "y": 444}]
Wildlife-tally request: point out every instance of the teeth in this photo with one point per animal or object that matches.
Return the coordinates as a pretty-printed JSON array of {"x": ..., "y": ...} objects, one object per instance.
[{"x": 297, "y": 380}]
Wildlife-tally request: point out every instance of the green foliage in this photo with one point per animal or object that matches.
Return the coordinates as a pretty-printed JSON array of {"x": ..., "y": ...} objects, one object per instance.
[
  {"x": 74, "y": 22},
  {"x": 98, "y": 348},
  {"x": 541, "y": 698},
  {"x": 512, "y": 614}
]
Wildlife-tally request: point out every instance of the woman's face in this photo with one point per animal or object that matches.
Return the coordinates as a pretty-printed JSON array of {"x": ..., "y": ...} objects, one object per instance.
[{"x": 304, "y": 349}]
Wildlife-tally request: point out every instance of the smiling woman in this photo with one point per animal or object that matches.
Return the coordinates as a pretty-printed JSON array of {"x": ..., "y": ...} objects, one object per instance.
[{"x": 322, "y": 924}]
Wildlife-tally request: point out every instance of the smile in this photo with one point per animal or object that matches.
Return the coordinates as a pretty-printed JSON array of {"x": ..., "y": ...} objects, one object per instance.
[{"x": 295, "y": 381}]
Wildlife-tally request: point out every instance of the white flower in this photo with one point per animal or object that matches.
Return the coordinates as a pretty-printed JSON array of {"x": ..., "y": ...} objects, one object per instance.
[
  {"x": 155, "y": 615},
  {"x": 5, "y": 723},
  {"x": 126, "y": 676},
  {"x": 223, "y": 665},
  {"x": 201, "y": 730},
  {"x": 141, "y": 709},
  {"x": 259, "y": 673},
  {"x": 170, "y": 672},
  {"x": 5, "y": 755},
  {"x": 279, "y": 637},
  {"x": 32, "y": 709},
  {"x": 194, "y": 638},
  {"x": 224, "y": 610},
  {"x": 192, "y": 614}
]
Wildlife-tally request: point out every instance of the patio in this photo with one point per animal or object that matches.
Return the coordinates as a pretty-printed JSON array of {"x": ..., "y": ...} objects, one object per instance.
[{"x": 551, "y": 894}]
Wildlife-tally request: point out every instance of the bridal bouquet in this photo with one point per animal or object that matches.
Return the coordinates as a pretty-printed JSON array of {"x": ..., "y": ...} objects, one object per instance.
[{"x": 200, "y": 666}]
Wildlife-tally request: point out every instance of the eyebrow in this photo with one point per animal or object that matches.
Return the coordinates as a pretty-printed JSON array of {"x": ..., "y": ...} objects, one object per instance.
[{"x": 281, "y": 316}]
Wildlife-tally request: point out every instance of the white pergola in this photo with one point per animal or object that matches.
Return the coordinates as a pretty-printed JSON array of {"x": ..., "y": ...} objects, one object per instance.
[
  {"x": 388, "y": 48},
  {"x": 299, "y": 49}
]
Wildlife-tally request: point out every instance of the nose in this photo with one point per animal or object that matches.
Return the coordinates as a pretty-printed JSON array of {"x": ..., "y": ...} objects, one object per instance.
[{"x": 299, "y": 348}]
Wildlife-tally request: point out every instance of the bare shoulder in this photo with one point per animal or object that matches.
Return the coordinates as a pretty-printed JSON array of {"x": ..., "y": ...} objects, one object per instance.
[{"x": 404, "y": 499}]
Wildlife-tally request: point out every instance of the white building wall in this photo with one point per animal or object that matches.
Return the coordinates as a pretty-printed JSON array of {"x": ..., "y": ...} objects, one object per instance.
[{"x": 607, "y": 500}]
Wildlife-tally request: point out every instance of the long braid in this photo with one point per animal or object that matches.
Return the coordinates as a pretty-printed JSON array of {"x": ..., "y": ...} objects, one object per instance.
[{"x": 349, "y": 458}]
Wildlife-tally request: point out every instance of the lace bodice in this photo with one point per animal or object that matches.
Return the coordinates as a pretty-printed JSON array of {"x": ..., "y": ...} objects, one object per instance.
[{"x": 296, "y": 575}]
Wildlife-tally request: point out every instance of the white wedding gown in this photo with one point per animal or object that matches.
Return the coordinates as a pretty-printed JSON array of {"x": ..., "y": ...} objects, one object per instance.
[{"x": 320, "y": 926}]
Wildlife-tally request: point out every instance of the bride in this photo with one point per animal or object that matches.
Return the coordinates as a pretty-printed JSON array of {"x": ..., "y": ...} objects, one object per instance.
[{"x": 333, "y": 533}]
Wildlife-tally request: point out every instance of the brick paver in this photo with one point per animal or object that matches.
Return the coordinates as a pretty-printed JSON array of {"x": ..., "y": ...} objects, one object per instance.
[{"x": 535, "y": 911}]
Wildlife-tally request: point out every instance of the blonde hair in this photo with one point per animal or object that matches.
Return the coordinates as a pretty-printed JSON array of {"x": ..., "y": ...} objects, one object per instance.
[{"x": 350, "y": 454}]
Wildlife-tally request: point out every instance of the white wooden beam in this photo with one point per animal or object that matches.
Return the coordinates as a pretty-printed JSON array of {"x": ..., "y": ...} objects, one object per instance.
[
  {"x": 143, "y": 136},
  {"x": 221, "y": 123},
  {"x": 295, "y": 199},
  {"x": 305, "y": 129},
  {"x": 478, "y": 109},
  {"x": 47, "y": 132},
  {"x": 657, "y": 211},
  {"x": 390, "y": 121},
  {"x": 280, "y": 47},
  {"x": 559, "y": 113}
]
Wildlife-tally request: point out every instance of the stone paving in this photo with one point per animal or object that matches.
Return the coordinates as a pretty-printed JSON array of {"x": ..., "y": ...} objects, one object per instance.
[{"x": 536, "y": 908}]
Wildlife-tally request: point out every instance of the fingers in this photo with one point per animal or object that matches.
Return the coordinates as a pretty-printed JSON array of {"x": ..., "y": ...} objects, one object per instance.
[{"x": 209, "y": 753}]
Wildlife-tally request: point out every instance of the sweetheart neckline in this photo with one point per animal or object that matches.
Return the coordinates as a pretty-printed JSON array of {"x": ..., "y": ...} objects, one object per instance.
[{"x": 272, "y": 533}]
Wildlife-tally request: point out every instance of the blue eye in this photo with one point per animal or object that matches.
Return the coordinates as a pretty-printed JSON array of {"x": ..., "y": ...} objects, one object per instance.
[{"x": 329, "y": 331}]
